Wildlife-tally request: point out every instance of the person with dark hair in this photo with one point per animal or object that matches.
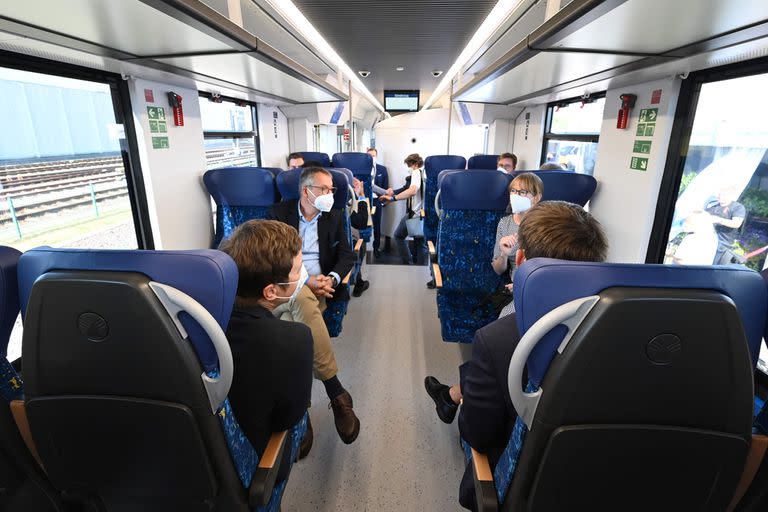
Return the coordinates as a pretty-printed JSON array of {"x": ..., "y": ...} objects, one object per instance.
[
  {"x": 551, "y": 166},
  {"x": 272, "y": 379},
  {"x": 507, "y": 162},
  {"x": 295, "y": 160},
  {"x": 552, "y": 229},
  {"x": 413, "y": 193},
  {"x": 328, "y": 258}
]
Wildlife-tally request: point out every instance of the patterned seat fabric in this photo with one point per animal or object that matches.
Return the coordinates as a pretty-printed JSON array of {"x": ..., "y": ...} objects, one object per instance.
[
  {"x": 11, "y": 385},
  {"x": 432, "y": 167},
  {"x": 241, "y": 194},
  {"x": 472, "y": 204}
]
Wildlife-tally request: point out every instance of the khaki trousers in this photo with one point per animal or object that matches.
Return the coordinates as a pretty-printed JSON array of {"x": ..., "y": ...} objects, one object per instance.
[{"x": 308, "y": 310}]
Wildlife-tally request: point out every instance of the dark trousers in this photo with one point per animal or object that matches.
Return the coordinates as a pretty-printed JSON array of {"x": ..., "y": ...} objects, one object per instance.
[
  {"x": 400, "y": 234},
  {"x": 377, "y": 224}
]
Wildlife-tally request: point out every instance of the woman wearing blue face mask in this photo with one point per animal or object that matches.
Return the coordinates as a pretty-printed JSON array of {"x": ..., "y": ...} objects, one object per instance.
[{"x": 524, "y": 192}]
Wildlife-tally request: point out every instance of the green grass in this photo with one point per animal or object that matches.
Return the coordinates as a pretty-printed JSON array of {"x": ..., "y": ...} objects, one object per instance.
[{"x": 55, "y": 234}]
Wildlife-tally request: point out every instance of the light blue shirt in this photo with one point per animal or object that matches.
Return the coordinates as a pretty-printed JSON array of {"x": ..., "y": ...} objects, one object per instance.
[{"x": 310, "y": 245}]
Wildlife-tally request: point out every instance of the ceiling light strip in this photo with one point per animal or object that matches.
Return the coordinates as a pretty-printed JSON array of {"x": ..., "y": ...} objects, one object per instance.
[
  {"x": 301, "y": 24},
  {"x": 498, "y": 15}
]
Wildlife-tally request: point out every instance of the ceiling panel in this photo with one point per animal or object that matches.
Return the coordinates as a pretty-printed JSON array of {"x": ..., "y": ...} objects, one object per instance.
[
  {"x": 377, "y": 35},
  {"x": 657, "y": 26}
]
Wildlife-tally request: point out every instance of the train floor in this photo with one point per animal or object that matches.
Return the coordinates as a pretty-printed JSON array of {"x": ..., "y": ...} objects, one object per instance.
[{"x": 405, "y": 458}]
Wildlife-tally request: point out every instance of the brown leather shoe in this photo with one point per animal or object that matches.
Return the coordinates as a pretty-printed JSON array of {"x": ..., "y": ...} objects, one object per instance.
[
  {"x": 347, "y": 424},
  {"x": 306, "y": 443}
]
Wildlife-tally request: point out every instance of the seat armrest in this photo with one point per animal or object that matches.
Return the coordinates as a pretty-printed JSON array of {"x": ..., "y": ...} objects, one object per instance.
[
  {"x": 19, "y": 413},
  {"x": 485, "y": 491},
  {"x": 263, "y": 481},
  {"x": 346, "y": 278},
  {"x": 422, "y": 213},
  {"x": 437, "y": 275},
  {"x": 431, "y": 247},
  {"x": 755, "y": 456},
  {"x": 358, "y": 244}
]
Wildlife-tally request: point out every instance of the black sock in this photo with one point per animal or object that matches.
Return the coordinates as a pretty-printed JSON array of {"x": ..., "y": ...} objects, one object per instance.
[{"x": 333, "y": 387}]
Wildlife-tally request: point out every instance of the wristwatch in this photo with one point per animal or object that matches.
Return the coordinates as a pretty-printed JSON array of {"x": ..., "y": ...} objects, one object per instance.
[{"x": 334, "y": 281}]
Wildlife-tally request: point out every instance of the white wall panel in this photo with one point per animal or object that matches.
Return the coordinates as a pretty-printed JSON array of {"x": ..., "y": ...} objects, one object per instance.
[{"x": 273, "y": 136}]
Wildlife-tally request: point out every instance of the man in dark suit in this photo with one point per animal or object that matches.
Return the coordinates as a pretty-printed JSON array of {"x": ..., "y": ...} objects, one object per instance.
[
  {"x": 551, "y": 229},
  {"x": 380, "y": 188},
  {"x": 272, "y": 359},
  {"x": 328, "y": 259}
]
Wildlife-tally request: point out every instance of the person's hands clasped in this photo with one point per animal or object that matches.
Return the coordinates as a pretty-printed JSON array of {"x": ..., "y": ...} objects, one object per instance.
[
  {"x": 321, "y": 286},
  {"x": 507, "y": 244}
]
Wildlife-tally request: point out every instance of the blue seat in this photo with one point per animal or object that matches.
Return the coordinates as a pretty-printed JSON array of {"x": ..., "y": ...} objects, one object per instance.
[
  {"x": 361, "y": 165},
  {"x": 566, "y": 186},
  {"x": 127, "y": 371},
  {"x": 483, "y": 162},
  {"x": 288, "y": 184},
  {"x": 316, "y": 156},
  {"x": 241, "y": 194},
  {"x": 433, "y": 165},
  {"x": 472, "y": 205},
  {"x": 639, "y": 385}
]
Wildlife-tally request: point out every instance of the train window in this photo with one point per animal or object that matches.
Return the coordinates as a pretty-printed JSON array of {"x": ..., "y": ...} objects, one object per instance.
[
  {"x": 721, "y": 211},
  {"x": 572, "y": 131},
  {"x": 229, "y": 132}
]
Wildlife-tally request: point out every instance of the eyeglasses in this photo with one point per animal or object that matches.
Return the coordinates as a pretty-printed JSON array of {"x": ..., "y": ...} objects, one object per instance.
[
  {"x": 324, "y": 190},
  {"x": 520, "y": 192}
]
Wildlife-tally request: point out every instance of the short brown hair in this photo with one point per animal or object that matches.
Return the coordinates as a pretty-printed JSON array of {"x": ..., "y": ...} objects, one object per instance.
[
  {"x": 263, "y": 251},
  {"x": 508, "y": 155},
  {"x": 530, "y": 182},
  {"x": 414, "y": 159},
  {"x": 564, "y": 231}
]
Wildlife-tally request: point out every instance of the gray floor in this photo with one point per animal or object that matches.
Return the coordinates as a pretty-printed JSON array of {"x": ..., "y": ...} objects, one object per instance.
[{"x": 405, "y": 458}]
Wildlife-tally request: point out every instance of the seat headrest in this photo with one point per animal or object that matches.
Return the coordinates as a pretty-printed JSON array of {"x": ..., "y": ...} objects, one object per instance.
[
  {"x": 9, "y": 288},
  {"x": 483, "y": 162},
  {"x": 360, "y": 164},
  {"x": 342, "y": 182},
  {"x": 241, "y": 186},
  {"x": 481, "y": 190},
  {"x": 206, "y": 275},
  {"x": 436, "y": 163},
  {"x": 542, "y": 284},
  {"x": 316, "y": 156},
  {"x": 288, "y": 184},
  {"x": 566, "y": 186},
  {"x": 274, "y": 170}
]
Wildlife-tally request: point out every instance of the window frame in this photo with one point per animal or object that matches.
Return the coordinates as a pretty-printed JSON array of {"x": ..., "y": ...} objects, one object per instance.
[
  {"x": 221, "y": 134},
  {"x": 679, "y": 142},
  {"x": 574, "y": 137},
  {"x": 123, "y": 110}
]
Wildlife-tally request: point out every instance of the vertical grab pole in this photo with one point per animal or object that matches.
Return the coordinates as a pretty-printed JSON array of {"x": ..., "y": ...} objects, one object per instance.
[
  {"x": 351, "y": 142},
  {"x": 15, "y": 220},
  {"x": 93, "y": 200},
  {"x": 450, "y": 107}
]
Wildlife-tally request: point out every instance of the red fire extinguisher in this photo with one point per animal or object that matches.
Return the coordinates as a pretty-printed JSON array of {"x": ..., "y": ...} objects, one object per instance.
[
  {"x": 627, "y": 102},
  {"x": 178, "y": 113}
]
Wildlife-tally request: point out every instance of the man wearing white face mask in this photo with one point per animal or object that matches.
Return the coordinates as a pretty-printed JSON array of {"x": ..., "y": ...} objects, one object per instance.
[
  {"x": 272, "y": 359},
  {"x": 328, "y": 258}
]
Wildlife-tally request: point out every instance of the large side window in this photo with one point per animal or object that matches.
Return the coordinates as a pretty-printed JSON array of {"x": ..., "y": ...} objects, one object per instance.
[
  {"x": 66, "y": 178},
  {"x": 230, "y": 133},
  {"x": 713, "y": 208},
  {"x": 571, "y": 134}
]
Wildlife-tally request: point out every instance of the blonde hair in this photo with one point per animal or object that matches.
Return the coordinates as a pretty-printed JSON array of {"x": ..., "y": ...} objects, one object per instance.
[{"x": 529, "y": 181}]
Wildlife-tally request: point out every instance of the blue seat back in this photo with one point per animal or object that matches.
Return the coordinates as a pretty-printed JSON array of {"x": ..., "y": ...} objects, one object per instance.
[
  {"x": 288, "y": 184},
  {"x": 543, "y": 284},
  {"x": 208, "y": 276},
  {"x": 361, "y": 165},
  {"x": 241, "y": 194},
  {"x": 472, "y": 204},
  {"x": 11, "y": 387},
  {"x": 483, "y": 162},
  {"x": 433, "y": 165},
  {"x": 316, "y": 156},
  {"x": 566, "y": 186}
]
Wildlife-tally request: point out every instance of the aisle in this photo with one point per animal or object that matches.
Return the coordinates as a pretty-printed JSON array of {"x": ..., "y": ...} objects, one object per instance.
[{"x": 405, "y": 458}]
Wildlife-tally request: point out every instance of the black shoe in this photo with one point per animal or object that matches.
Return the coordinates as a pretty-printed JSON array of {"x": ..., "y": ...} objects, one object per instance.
[
  {"x": 360, "y": 287},
  {"x": 446, "y": 409},
  {"x": 347, "y": 423},
  {"x": 431, "y": 285},
  {"x": 306, "y": 443},
  {"x": 376, "y": 253}
]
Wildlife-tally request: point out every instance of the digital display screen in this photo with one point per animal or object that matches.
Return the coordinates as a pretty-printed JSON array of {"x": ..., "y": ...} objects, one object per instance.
[{"x": 401, "y": 101}]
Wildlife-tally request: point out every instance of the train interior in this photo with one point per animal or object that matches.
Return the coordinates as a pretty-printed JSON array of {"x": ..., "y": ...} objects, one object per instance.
[{"x": 152, "y": 124}]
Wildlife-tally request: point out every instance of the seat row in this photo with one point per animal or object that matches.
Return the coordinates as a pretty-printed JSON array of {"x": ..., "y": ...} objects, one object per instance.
[{"x": 123, "y": 404}]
